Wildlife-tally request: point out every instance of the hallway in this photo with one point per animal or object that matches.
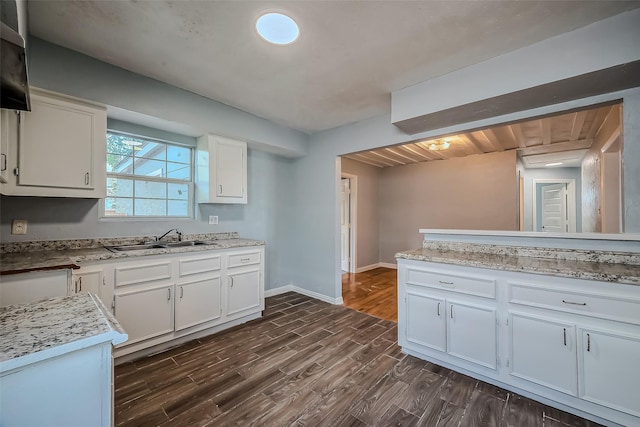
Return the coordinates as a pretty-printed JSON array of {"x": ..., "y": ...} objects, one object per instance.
[{"x": 374, "y": 292}]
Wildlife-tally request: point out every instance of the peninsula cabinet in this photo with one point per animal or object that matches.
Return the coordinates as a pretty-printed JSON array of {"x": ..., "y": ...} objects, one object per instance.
[
  {"x": 221, "y": 170},
  {"x": 57, "y": 149},
  {"x": 164, "y": 299},
  {"x": 33, "y": 286},
  {"x": 570, "y": 343}
]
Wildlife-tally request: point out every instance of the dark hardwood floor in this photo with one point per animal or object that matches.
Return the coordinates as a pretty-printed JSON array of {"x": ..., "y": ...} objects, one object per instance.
[
  {"x": 374, "y": 292},
  {"x": 309, "y": 363}
]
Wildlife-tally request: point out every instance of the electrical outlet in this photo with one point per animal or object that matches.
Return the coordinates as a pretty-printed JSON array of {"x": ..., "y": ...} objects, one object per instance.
[
  {"x": 213, "y": 219},
  {"x": 19, "y": 226}
]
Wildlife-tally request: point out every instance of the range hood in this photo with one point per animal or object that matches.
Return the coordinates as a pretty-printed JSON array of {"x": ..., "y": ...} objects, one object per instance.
[{"x": 14, "y": 88}]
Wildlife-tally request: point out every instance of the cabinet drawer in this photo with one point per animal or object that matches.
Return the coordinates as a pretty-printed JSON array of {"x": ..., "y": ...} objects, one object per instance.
[
  {"x": 128, "y": 275},
  {"x": 247, "y": 258},
  {"x": 471, "y": 285},
  {"x": 588, "y": 304},
  {"x": 197, "y": 265}
]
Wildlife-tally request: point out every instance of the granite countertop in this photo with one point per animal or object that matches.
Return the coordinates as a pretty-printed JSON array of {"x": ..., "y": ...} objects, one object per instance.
[
  {"x": 580, "y": 264},
  {"x": 68, "y": 254},
  {"x": 38, "y": 331}
]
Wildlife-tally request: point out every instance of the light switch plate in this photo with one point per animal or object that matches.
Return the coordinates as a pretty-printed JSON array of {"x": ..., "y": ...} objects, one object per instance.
[
  {"x": 19, "y": 226},
  {"x": 213, "y": 219}
]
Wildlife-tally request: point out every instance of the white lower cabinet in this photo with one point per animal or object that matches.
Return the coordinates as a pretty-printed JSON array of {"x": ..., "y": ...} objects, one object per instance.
[
  {"x": 197, "y": 302},
  {"x": 159, "y": 299},
  {"x": 87, "y": 280},
  {"x": 610, "y": 369},
  {"x": 145, "y": 312},
  {"x": 573, "y": 344},
  {"x": 543, "y": 351},
  {"x": 33, "y": 286}
]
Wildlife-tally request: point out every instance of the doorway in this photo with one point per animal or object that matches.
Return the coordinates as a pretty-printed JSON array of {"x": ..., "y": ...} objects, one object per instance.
[
  {"x": 348, "y": 218},
  {"x": 554, "y": 205}
]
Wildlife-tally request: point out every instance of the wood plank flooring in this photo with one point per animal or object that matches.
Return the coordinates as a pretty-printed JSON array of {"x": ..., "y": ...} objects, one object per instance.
[
  {"x": 309, "y": 363},
  {"x": 374, "y": 292}
]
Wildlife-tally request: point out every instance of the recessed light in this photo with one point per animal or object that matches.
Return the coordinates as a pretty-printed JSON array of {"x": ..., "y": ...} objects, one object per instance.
[
  {"x": 554, "y": 164},
  {"x": 277, "y": 28}
]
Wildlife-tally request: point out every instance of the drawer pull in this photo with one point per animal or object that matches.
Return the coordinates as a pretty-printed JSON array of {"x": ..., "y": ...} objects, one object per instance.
[
  {"x": 564, "y": 331},
  {"x": 245, "y": 259},
  {"x": 438, "y": 309},
  {"x": 574, "y": 303},
  {"x": 442, "y": 282},
  {"x": 80, "y": 283},
  {"x": 588, "y": 342}
]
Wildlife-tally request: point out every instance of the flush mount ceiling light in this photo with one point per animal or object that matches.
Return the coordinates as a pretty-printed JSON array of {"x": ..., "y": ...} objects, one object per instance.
[
  {"x": 277, "y": 28},
  {"x": 439, "y": 145},
  {"x": 554, "y": 164}
]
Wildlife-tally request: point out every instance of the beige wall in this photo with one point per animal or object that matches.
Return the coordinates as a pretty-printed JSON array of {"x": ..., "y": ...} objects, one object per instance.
[
  {"x": 367, "y": 242},
  {"x": 474, "y": 192}
]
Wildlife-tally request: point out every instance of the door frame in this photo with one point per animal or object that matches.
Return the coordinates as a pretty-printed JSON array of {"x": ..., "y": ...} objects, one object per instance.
[
  {"x": 353, "y": 216},
  {"x": 571, "y": 200}
]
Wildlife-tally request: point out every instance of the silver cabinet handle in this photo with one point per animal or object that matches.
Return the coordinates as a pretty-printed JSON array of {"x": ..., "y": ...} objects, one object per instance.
[
  {"x": 231, "y": 278},
  {"x": 438, "y": 309},
  {"x": 181, "y": 292},
  {"x": 75, "y": 286},
  {"x": 564, "y": 332},
  {"x": 80, "y": 283},
  {"x": 588, "y": 342},
  {"x": 442, "y": 282},
  {"x": 452, "y": 311},
  {"x": 245, "y": 259},
  {"x": 169, "y": 294},
  {"x": 86, "y": 178},
  {"x": 4, "y": 162},
  {"x": 220, "y": 186},
  {"x": 574, "y": 303}
]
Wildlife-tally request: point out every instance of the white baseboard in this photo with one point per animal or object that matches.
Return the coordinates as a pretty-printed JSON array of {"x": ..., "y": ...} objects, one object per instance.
[
  {"x": 389, "y": 265},
  {"x": 372, "y": 266},
  {"x": 291, "y": 288}
]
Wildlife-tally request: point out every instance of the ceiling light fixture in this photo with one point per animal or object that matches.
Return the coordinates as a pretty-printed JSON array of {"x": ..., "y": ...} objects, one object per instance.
[
  {"x": 439, "y": 146},
  {"x": 277, "y": 28},
  {"x": 554, "y": 164}
]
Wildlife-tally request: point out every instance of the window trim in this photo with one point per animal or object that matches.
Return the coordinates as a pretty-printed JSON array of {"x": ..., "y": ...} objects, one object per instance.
[{"x": 190, "y": 183}]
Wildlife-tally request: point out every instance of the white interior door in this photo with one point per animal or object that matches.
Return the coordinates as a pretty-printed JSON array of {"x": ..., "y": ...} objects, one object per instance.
[
  {"x": 345, "y": 224},
  {"x": 553, "y": 217}
]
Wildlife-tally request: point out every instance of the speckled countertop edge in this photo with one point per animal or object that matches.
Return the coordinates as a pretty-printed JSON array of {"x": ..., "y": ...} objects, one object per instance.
[
  {"x": 70, "y": 258},
  {"x": 38, "y": 331},
  {"x": 576, "y": 268}
]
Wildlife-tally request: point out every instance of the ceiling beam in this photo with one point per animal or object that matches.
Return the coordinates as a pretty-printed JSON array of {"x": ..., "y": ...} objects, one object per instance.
[
  {"x": 545, "y": 130},
  {"x": 516, "y": 131},
  {"x": 386, "y": 157},
  {"x": 557, "y": 147},
  {"x": 375, "y": 159},
  {"x": 598, "y": 120},
  {"x": 416, "y": 151},
  {"x": 362, "y": 159},
  {"x": 395, "y": 152},
  {"x": 491, "y": 138},
  {"x": 437, "y": 154},
  {"x": 471, "y": 143},
  {"x": 578, "y": 123}
]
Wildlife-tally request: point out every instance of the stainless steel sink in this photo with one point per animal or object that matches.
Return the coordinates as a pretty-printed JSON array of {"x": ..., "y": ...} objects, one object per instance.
[{"x": 155, "y": 245}]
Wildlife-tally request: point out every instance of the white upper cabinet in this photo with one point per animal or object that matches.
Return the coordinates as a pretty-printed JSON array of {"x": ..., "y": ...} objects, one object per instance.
[
  {"x": 221, "y": 172},
  {"x": 59, "y": 150}
]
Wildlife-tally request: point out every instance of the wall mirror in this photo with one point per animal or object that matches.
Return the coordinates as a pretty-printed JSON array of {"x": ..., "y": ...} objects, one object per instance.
[{"x": 559, "y": 173}]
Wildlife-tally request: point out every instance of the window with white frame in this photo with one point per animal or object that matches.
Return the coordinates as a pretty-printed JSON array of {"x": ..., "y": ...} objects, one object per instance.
[{"x": 148, "y": 177}]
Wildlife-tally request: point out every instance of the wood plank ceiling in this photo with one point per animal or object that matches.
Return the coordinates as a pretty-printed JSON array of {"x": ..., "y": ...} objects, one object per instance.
[{"x": 553, "y": 134}]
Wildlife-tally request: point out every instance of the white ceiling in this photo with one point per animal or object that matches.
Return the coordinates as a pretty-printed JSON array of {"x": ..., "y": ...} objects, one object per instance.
[{"x": 349, "y": 58}]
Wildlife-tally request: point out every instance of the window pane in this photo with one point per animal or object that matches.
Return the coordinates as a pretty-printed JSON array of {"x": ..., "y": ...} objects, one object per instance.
[
  {"x": 118, "y": 206},
  {"x": 119, "y": 164},
  {"x": 151, "y": 207},
  {"x": 119, "y": 144},
  {"x": 178, "y": 208},
  {"x": 179, "y": 154},
  {"x": 151, "y": 190},
  {"x": 178, "y": 191},
  {"x": 152, "y": 150},
  {"x": 146, "y": 167},
  {"x": 178, "y": 171},
  {"x": 119, "y": 187}
]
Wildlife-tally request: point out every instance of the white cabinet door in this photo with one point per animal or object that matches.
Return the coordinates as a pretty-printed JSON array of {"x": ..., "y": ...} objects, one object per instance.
[
  {"x": 198, "y": 302},
  {"x": 145, "y": 312},
  {"x": 87, "y": 280},
  {"x": 426, "y": 321},
  {"x": 243, "y": 292},
  {"x": 221, "y": 170},
  {"x": 543, "y": 351},
  {"x": 7, "y": 129},
  {"x": 609, "y": 370},
  {"x": 471, "y": 333}
]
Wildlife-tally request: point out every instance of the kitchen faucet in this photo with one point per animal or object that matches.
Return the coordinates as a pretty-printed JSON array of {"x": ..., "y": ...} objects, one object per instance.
[{"x": 165, "y": 234}]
